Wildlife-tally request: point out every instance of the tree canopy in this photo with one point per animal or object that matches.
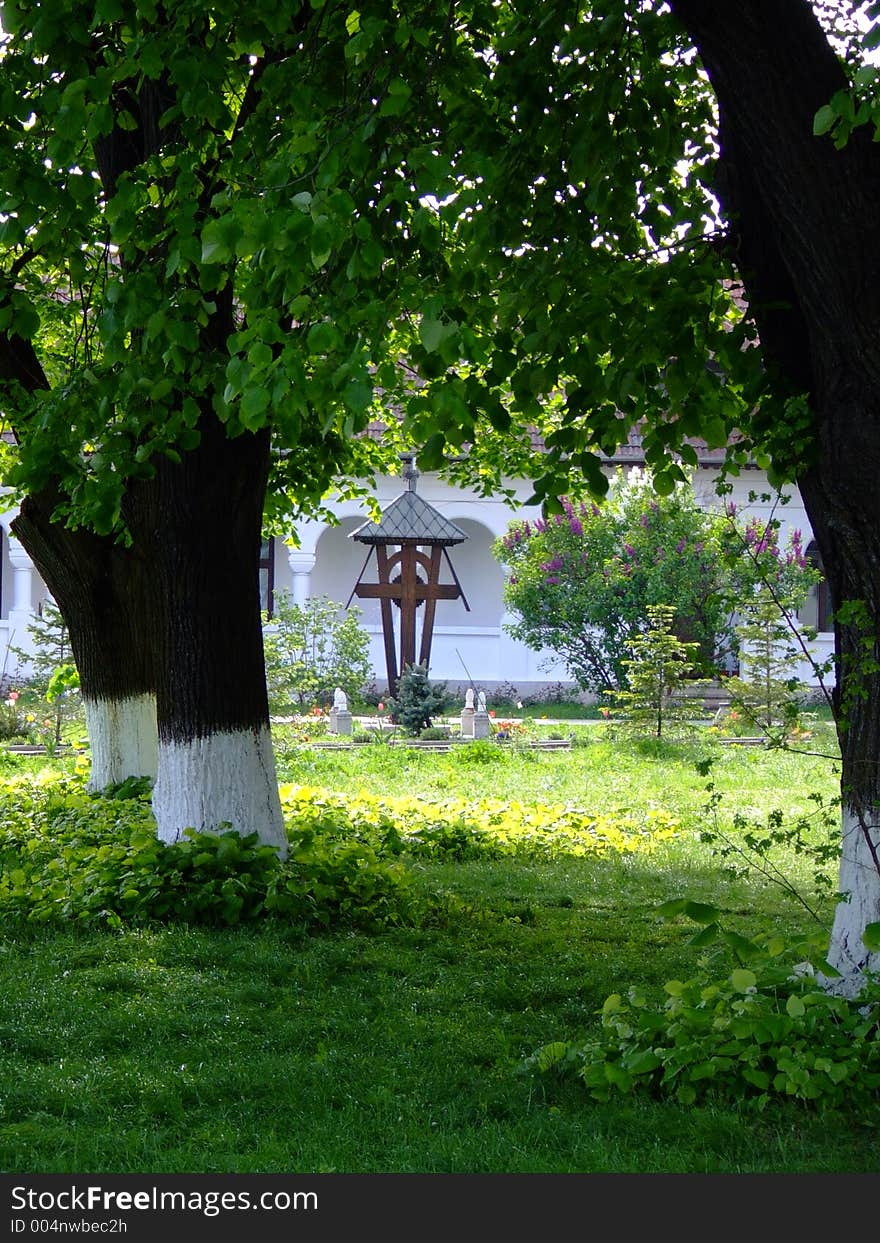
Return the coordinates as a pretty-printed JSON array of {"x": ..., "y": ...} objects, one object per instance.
[{"x": 263, "y": 222}]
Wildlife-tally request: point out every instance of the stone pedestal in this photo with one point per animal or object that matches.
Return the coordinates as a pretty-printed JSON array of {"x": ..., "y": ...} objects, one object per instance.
[
  {"x": 467, "y": 722},
  {"x": 482, "y": 727},
  {"x": 340, "y": 721}
]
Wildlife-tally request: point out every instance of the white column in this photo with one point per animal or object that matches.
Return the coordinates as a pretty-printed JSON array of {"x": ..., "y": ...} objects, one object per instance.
[
  {"x": 21, "y": 610},
  {"x": 22, "y": 577},
  {"x": 301, "y": 566}
]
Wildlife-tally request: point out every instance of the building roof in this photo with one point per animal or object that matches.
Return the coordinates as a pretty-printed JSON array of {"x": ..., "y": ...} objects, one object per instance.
[
  {"x": 629, "y": 453},
  {"x": 409, "y": 519}
]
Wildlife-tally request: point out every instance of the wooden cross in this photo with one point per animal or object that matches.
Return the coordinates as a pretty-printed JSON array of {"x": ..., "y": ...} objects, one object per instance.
[{"x": 408, "y": 592}]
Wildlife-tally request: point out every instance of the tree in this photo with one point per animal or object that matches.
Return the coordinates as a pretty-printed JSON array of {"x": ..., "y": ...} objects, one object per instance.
[
  {"x": 211, "y": 217},
  {"x": 659, "y": 670},
  {"x": 768, "y": 693},
  {"x": 582, "y": 582},
  {"x": 418, "y": 699},
  {"x": 105, "y": 594},
  {"x": 53, "y": 679},
  {"x": 312, "y": 648},
  {"x": 679, "y": 231}
]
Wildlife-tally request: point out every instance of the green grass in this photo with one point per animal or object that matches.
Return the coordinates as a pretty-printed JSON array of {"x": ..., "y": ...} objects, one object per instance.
[{"x": 259, "y": 1050}]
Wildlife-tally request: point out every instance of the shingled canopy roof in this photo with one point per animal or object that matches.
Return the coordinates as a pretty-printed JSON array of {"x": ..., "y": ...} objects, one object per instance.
[{"x": 409, "y": 519}]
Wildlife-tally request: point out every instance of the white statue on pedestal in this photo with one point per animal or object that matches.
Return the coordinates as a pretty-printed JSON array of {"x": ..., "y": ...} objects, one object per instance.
[{"x": 340, "y": 700}]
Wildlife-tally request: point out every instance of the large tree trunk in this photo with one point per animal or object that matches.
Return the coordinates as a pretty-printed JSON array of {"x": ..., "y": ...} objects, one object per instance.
[
  {"x": 104, "y": 592},
  {"x": 805, "y": 232},
  {"x": 200, "y": 526}
]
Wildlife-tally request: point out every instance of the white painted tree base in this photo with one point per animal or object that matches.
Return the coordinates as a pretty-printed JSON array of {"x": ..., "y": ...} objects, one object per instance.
[
  {"x": 122, "y": 738},
  {"x": 225, "y": 779},
  {"x": 860, "y": 879}
]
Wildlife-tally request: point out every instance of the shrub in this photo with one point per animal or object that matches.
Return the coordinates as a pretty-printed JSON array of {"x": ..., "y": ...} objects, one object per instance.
[
  {"x": 417, "y": 700},
  {"x": 580, "y": 582},
  {"x": 750, "y": 1034},
  {"x": 311, "y": 649}
]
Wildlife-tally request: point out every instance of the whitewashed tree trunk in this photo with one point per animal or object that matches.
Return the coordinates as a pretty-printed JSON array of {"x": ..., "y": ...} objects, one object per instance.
[
  {"x": 199, "y": 527},
  {"x": 105, "y": 592},
  {"x": 803, "y": 229},
  {"x": 225, "y": 780},
  {"x": 122, "y": 738},
  {"x": 860, "y": 882}
]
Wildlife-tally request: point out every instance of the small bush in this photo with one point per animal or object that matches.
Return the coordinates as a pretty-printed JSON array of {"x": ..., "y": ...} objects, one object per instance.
[
  {"x": 417, "y": 701},
  {"x": 755, "y": 1033},
  {"x": 436, "y": 733},
  {"x": 95, "y": 860},
  {"x": 11, "y": 724},
  {"x": 480, "y": 751}
]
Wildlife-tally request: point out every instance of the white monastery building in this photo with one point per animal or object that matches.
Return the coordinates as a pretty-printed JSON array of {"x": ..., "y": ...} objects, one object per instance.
[{"x": 470, "y": 644}]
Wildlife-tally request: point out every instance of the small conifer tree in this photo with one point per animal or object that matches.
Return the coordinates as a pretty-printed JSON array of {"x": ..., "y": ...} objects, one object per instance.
[
  {"x": 768, "y": 693},
  {"x": 658, "y": 670},
  {"x": 51, "y": 694},
  {"x": 417, "y": 699}
]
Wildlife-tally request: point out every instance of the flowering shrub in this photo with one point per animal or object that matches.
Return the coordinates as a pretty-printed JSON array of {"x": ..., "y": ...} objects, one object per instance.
[
  {"x": 580, "y": 583},
  {"x": 504, "y": 730}
]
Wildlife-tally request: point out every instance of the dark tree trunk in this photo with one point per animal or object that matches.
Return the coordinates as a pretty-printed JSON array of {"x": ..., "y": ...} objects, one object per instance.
[
  {"x": 199, "y": 524},
  {"x": 805, "y": 231},
  {"x": 104, "y": 591}
]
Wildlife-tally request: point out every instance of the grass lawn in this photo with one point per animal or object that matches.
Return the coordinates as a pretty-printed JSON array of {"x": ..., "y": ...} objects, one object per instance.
[{"x": 260, "y": 1049}]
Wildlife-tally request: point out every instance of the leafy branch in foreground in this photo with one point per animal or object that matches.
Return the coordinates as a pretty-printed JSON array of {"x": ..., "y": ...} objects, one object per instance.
[{"x": 748, "y": 844}]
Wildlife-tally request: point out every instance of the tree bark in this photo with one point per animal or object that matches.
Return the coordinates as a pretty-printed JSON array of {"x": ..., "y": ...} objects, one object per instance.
[
  {"x": 805, "y": 232},
  {"x": 104, "y": 592},
  {"x": 200, "y": 529}
]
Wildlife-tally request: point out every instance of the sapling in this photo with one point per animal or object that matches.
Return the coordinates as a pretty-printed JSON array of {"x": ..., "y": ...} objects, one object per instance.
[{"x": 658, "y": 672}]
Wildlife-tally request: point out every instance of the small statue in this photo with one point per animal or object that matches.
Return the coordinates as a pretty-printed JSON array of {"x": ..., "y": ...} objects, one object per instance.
[
  {"x": 340, "y": 700},
  {"x": 481, "y": 702},
  {"x": 469, "y": 700}
]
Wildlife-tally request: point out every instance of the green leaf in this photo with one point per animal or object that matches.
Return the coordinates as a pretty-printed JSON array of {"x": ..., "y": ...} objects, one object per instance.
[
  {"x": 431, "y": 333},
  {"x": 795, "y": 1008},
  {"x": 705, "y": 936},
  {"x": 743, "y": 980},
  {"x": 740, "y": 945},
  {"x": 675, "y": 906},
  {"x": 664, "y": 484},
  {"x": 254, "y": 405},
  {"x": 701, "y": 912},
  {"x": 871, "y": 937},
  {"x": 824, "y": 120}
]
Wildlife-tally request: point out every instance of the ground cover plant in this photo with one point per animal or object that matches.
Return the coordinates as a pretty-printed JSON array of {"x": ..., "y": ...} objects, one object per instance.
[{"x": 281, "y": 1045}]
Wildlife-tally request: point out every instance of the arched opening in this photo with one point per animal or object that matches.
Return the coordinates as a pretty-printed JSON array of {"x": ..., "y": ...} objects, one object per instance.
[
  {"x": 481, "y": 578},
  {"x": 338, "y": 563}
]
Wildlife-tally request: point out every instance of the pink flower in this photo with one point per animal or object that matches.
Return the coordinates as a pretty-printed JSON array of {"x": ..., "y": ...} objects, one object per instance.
[
  {"x": 13, "y": 696},
  {"x": 381, "y": 707}
]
